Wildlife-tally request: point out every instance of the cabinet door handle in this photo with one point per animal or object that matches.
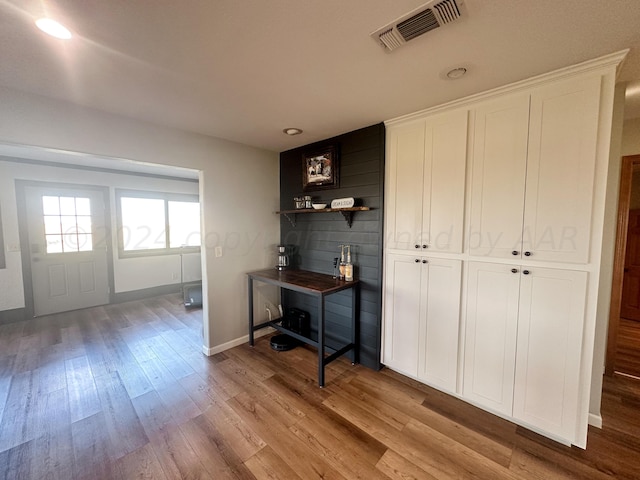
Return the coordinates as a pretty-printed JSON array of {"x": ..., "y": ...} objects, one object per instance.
[
  {"x": 527, "y": 254},
  {"x": 417, "y": 246},
  {"x": 425, "y": 261},
  {"x": 514, "y": 270},
  {"x": 417, "y": 260},
  {"x": 526, "y": 272},
  {"x": 515, "y": 252},
  {"x": 425, "y": 246}
]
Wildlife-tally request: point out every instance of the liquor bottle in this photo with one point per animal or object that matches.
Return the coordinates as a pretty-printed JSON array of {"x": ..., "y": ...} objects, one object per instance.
[
  {"x": 348, "y": 268},
  {"x": 342, "y": 262}
]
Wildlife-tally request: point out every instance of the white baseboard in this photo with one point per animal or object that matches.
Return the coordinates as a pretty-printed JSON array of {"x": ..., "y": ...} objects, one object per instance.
[
  {"x": 234, "y": 343},
  {"x": 595, "y": 420}
]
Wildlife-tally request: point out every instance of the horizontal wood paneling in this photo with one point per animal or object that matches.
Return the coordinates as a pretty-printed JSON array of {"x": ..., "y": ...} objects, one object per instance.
[{"x": 316, "y": 238}]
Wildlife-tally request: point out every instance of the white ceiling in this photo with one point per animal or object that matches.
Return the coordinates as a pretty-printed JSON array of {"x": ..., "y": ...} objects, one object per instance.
[{"x": 245, "y": 69}]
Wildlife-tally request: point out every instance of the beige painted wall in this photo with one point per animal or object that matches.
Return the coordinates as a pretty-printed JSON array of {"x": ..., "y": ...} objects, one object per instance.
[
  {"x": 239, "y": 189},
  {"x": 631, "y": 137}
]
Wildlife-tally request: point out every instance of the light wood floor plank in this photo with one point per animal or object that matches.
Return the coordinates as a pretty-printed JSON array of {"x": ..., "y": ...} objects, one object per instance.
[{"x": 124, "y": 391}]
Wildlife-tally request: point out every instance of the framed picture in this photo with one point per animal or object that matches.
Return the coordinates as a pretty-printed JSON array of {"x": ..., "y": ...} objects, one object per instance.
[{"x": 320, "y": 169}]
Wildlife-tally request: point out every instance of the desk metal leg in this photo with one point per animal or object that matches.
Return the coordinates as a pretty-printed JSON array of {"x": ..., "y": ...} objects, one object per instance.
[
  {"x": 321, "y": 341},
  {"x": 355, "y": 323},
  {"x": 250, "y": 285}
]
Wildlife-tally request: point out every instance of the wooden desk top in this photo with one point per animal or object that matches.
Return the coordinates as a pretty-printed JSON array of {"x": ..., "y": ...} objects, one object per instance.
[{"x": 302, "y": 281}]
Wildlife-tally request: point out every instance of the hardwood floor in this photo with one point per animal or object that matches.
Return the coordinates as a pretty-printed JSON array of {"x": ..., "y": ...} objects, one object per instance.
[
  {"x": 123, "y": 392},
  {"x": 628, "y": 348}
]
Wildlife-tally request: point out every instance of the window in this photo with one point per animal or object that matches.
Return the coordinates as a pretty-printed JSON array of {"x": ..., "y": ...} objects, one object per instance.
[
  {"x": 151, "y": 223},
  {"x": 67, "y": 224}
]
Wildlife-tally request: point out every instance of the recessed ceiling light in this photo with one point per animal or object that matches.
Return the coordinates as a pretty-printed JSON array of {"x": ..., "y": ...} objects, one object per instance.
[
  {"x": 292, "y": 131},
  {"x": 456, "y": 73},
  {"x": 53, "y": 28}
]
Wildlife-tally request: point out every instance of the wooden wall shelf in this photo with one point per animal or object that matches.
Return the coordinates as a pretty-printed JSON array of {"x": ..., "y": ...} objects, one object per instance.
[{"x": 347, "y": 213}]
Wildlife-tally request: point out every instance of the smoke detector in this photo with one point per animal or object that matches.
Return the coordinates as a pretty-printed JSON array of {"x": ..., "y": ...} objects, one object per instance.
[{"x": 429, "y": 16}]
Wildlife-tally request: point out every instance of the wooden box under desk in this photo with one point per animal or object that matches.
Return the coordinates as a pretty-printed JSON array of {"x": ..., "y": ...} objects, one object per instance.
[{"x": 318, "y": 285}]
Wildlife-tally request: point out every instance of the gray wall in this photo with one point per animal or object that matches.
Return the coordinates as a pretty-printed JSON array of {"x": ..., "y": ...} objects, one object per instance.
[{"x": 316, "y": 238}]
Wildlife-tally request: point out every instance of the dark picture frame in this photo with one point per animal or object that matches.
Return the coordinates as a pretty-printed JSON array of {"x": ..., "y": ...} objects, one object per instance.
[{"x": 320, "y": 169}]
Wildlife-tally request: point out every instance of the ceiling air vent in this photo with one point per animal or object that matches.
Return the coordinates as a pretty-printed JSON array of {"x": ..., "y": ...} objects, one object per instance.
[{"x": 428, "y": 17}]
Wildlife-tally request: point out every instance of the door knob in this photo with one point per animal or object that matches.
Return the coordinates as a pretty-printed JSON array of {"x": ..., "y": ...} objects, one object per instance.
[
  {"x": 514, "y": 270},
  {"x": 526, "y": 272},
  {"x": 527, "y": 254},
  {"x": 515, "y": 252},
  {"x": 417, "y": 246},
  {"x": 424, "y": 261},
  {"x": 417, "y": 260},
  {"x": 425, "y": 246}
]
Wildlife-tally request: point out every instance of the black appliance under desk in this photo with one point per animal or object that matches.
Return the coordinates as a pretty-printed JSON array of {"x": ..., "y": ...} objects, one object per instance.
[{"x": 319, "y": 285}]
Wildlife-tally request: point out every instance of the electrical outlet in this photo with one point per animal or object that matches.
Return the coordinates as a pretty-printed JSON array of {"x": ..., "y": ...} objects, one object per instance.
[
  {"x": 218, "y": 251},
  {"x": 13, "y": 247}
]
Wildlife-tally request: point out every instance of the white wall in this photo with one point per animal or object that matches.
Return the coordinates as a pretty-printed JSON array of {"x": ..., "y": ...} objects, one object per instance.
[
  {"x": 11, "y": 285},
  {"x": 631, "y": 137},
  {"x": 239, "y": 189}
]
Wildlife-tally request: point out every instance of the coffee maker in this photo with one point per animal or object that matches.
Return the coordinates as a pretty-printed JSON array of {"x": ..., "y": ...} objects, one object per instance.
[{"x": 283, "y": 258}]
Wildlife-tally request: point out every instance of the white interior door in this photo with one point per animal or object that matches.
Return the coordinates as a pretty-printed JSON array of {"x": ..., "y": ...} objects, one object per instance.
[{"x": 67, "y": 247}]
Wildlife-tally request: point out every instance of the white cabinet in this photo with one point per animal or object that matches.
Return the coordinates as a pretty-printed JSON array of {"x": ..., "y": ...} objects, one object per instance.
[
  {"x": 402, "y": 313},
  {"x": 535, "y": 153},
  {"x": 498, "y": 167},
  {"x": 422, "y": 317},
  {"x": 523, "y": 343},
  {"x": 426, "y": 162},
  {"x": 490, "y": 336},
  {"x": 514, "y": 179}
]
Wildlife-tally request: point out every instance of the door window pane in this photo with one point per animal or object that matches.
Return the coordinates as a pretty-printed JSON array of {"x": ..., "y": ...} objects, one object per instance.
[
  {"x": 51, "y": 205},
  {"x": 184, "y": 224},
  {"x": 67, "y": 206},
  {"x": 54, "y": 243},
  {"x": 85, "y": 242},
  {"x": 83, "y": 206},
  {"x": 52, "y": 225},
  {"x": 84, "y": 224}
]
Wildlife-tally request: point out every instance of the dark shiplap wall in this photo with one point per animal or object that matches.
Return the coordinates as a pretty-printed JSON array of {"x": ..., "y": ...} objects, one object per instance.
[{"x": 316, "y": 238}]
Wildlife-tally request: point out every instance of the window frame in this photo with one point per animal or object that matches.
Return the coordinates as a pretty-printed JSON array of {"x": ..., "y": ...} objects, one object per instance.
[
  {"x": 166, "y": 197},
  {"x": 3, "y": 261}
]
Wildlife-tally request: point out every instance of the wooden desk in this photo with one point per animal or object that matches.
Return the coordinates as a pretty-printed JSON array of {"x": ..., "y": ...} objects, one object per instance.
[{"x": 320, "y": 286}]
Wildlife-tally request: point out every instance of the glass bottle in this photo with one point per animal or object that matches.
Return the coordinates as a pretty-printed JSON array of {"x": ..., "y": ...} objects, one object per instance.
[
  {"x": 342, "y": 262},
  {"x": 348, "y": 268}
]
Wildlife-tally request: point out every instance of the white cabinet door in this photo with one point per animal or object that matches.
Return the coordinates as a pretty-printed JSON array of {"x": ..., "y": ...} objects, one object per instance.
[
  {"x": 439, "y": 322},
  {"x": 549, "y": 346},
  {"x": 498, "y": 177},
  {"x": 490, "y": 337},
  {"x": 403, "y": 210},
  {"x": 401, "y": 312},
  {"x": 444, "y": 182},
  {"x": 560, "y": 170},
  {"x": 426, "y": 183}
]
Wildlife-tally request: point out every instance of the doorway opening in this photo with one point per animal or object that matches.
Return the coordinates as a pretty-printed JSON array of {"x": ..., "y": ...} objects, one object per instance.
[{"x": 623, "y": 347}]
